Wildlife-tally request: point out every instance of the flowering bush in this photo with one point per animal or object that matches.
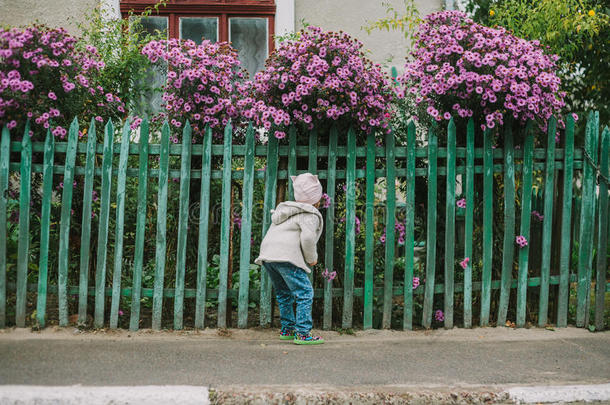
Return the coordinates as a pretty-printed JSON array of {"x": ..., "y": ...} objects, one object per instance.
[
  {"x": 204, "y": 84},
  {"x": 321, "y": 78},
  {"x": 463, "y": 68},
  {"x": 44, "y": 78}
]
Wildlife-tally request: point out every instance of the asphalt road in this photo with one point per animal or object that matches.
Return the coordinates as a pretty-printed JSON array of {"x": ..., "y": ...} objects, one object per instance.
[{"x": 478, "y": 357}]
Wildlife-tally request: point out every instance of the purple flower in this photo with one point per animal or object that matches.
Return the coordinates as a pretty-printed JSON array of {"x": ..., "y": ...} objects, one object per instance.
[
  {"x": 326, "y": 199},
  {"x": 461, "y": 66},
  {"x": 439, "y": 316},
  {"x": 461, "y": 203},
  {"x": 329, "y": 276},
  {"x": 464, "y": 263},
  {"x": 521, "y": 241},
  {"x": 415, "y": 282}
]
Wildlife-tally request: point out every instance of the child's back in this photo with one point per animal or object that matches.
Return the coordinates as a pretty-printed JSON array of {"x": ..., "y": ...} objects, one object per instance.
[{"x": 293, "y": 234}]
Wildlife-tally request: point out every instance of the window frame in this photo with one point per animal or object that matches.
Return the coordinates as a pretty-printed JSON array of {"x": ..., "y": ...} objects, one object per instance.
[{"x": 222, "y": 9}]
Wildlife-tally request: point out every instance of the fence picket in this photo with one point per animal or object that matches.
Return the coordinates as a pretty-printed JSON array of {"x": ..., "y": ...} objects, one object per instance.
[
  {"x": 487, "y": 227},
  {"x": 350, "y": 231},
  {"x": 102, "y": 233},
  {"x": 431, "y": 229},
  {"x": 23, "y": 255},
  {"x": 120, "y": 225},
  {"x": 161, "y": 242},
  {"x": 292, "y": 159},
  {"x": 269, "y": 204},
  {"x": 602, "y": 235},
  {"x": 5, "y": 156},
  {"x": 369, "y": 232},
  {"x": 547, "y": 225},
  {"x": 183, "y": 217},
  {"x": 64, "y": 227},
  {"x": 204, "y": 215},
  {"x": 85, "y": 239},
  {"x": 468, "y": 223},
  {"x": 138, "y": 257},
  {"x": 587, "y": 213},
  {"x": 566, "y": 219},
  {"x": 329, "y": 235},
  {"x": 409, "y": 227},
  {"x": 246, "y": 230},
  {"x": 526, "y": 212},
  {"x": 312, "y": 167},
  {"x": 508, "y": 246},
  {"x": 450, "y": 226},
  {"x": 390, "y": 234},
  {"x": 225, "y": 224},
  {"x": 45, "y": 222}
]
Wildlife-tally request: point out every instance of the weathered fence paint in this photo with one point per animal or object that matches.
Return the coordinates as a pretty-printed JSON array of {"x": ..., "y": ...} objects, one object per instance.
[{"x": 441, "y": 158}]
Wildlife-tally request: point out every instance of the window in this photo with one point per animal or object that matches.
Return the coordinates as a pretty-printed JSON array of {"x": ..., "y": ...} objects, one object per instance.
[{"x": 247, "y": 24}]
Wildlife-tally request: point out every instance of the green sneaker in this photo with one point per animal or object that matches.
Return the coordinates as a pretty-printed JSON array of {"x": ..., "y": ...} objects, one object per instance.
[
  {"x": 307, "y": 339},
  {"x": 287, "y": 334}
]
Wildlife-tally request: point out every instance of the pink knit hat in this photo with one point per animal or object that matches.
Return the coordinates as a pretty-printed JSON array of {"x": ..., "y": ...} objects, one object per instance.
[{"x": 307, "y": 188}]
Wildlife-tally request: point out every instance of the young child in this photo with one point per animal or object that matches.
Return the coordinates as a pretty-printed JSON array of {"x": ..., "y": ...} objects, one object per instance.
[{"x": 288, "y": 252}]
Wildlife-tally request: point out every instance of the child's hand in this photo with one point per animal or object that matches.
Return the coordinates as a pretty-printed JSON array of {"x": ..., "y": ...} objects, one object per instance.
[{"x": 313, "y": 264}]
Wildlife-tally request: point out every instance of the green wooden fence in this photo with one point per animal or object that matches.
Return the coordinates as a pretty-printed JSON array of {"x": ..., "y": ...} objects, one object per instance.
[{"x": 366, "y": 293}]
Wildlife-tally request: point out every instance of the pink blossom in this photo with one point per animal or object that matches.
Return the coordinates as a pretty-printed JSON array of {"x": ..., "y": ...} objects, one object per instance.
[
  {"x": 464, "y": 263},
  {"x": 521, "y": 241},
  {"x": 478, "y": 71}
]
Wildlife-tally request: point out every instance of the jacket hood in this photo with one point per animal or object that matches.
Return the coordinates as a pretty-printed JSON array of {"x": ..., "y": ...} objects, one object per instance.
[{"x": 288, "y": 209}]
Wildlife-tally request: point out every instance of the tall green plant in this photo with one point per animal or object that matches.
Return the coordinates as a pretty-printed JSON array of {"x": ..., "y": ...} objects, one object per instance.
[{"x": 127, "y": 73}]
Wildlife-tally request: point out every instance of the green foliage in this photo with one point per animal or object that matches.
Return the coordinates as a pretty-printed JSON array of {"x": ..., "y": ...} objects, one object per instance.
[
  {"x": 127, "y": 73},
  {"x": 405, "y": 21},
  {"x": 293, "y": 35}
]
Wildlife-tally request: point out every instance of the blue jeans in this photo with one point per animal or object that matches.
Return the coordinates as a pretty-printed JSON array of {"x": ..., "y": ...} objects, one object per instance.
[{"x": 292, "y": 284}]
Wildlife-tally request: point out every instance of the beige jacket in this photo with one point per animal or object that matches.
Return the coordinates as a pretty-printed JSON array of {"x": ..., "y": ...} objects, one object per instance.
[{"x": 293, "y": 235}]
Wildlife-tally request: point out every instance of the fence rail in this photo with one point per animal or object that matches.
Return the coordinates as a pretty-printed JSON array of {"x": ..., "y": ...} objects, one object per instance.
[{"x": 376, "y": 282}]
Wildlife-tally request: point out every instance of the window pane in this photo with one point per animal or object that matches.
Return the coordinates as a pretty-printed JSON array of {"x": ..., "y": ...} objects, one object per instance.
[
  {"x": 196, "y": 28},
  {"x": 153, "y": 25},
  {"x": 249, "y": 37}
]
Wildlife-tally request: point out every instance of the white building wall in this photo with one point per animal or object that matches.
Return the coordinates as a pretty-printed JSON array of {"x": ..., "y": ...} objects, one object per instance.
[{"x": 386, "y": 48}]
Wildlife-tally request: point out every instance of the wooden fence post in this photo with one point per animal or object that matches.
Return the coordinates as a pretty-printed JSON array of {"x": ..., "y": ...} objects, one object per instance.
[
  {"x": 602, "y": 226},
  {"x": 45, "y": 222},
  {"x": 23, "y": 248},
  {"x": 587, "y": 213}
]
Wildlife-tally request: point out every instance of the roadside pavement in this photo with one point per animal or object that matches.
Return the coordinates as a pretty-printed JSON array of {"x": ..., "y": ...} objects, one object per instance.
[{"x": 479, "y": 365}]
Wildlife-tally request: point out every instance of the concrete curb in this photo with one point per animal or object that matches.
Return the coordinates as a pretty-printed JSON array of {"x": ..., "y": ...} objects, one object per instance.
[
  {"x": 560, "y": 393},
  {"x": 77, "y": 395}
]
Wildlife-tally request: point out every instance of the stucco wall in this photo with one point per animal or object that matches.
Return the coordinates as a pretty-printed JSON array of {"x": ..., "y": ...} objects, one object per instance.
[
  {"x": 351, "y": 15},
  {"x": 54, "y": 13}
]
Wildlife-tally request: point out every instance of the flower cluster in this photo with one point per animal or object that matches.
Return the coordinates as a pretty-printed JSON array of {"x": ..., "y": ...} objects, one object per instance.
[
  {"x": 398, "y": 226},
  {"x": 461, "y": 68},
  {"x": 521, "y": 241},
  {"x": 461, "y": 203},
  {"x": 44, "y": 77},
  {"x": 415, "y": 282},
  {"x": 205, "y": 84},
  {"x": 326, "y": 199},
  {"x": 322, "y": 77},
  {"x": 439, "y": 316},
  {"x": 464, "y": 263},
  {"x": 330, "y": 276}
]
